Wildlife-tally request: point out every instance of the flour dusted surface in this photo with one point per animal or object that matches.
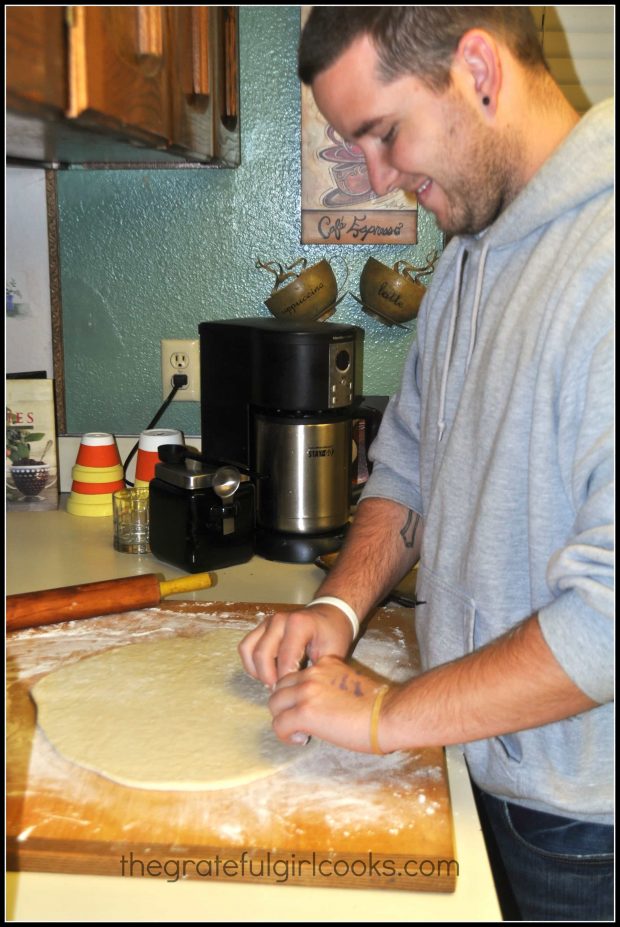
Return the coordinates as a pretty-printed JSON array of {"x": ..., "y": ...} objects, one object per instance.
[
  {"x": 169, "y": 714},
  {"x": 325, "y": 797}
]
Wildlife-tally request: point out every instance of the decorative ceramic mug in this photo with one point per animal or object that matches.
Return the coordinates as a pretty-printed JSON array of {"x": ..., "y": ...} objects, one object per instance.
[{"x": 311, "y": 293}]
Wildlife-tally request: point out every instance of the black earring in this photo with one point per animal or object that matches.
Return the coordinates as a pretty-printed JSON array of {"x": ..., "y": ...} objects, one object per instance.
[{"x": 485, "y": 101}]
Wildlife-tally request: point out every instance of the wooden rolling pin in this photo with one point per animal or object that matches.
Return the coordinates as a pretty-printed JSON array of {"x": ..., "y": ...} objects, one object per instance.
[{"x": 32, "y": 609}]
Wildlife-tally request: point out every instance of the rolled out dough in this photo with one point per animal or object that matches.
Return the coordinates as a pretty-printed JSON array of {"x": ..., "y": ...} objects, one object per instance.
[{"x": 175, "y": 714}]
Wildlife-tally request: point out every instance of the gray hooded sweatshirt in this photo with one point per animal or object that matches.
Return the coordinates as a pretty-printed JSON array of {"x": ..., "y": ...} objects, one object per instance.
[{"x": 501, "y": 437}]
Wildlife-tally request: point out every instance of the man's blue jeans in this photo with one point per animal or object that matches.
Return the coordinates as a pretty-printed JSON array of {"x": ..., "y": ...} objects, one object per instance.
[{"x": 558, "y": 868}]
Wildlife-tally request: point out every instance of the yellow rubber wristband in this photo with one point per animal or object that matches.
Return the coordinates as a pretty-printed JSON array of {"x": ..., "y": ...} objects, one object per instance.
[{"x": 374, "y": 719}]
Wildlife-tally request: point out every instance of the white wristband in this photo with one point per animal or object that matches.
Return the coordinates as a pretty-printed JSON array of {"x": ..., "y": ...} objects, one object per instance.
[{"x": 343, "y": 606}]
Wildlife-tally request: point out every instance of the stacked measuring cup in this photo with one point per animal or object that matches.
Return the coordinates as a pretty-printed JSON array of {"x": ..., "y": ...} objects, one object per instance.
[{"x": 97, "y": 474}]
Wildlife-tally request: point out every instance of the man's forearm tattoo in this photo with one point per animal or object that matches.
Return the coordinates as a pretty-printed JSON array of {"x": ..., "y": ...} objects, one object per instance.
[{"x": 409, "y": 529}]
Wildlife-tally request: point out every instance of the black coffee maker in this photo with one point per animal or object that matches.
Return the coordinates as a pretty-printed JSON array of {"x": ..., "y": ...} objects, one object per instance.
[{"x": 280, "y": 398}]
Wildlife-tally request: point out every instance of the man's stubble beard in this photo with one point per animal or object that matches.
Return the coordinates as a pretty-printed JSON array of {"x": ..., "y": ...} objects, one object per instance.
[{"x": 485, "y": 176}]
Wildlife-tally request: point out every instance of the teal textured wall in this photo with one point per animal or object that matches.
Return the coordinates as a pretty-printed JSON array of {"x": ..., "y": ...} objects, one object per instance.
[{"x": 148, "y": 254}]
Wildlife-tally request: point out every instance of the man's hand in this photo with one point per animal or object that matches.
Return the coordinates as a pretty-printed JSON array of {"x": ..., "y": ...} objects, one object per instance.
[
  {"x": 329, "y": 700},
  {"x": 283, "y": 642}
]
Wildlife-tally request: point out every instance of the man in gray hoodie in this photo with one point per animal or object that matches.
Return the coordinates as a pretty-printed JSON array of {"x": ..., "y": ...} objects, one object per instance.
[{"x": 494, "y": 463}]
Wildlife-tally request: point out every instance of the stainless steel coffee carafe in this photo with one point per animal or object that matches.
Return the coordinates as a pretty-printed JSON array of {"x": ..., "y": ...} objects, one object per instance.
[{"x": 305, "y": 473}]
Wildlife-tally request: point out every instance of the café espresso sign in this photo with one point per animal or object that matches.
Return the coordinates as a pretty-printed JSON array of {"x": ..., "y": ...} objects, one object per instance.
[{"x": 338, "y": 204}]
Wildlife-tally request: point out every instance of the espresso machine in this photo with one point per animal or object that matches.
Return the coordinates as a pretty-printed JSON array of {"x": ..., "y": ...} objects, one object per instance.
[{"x": 279, "y": 398}]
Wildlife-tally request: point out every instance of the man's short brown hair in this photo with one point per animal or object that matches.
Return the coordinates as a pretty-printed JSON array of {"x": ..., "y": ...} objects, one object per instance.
[{"x": 418, "y": 40}]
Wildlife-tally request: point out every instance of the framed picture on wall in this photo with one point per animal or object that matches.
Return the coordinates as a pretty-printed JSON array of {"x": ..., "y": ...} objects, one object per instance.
[{"x": 338, "y": 205}]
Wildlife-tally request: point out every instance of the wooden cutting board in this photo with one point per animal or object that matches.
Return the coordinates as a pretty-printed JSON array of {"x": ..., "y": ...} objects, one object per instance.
[{"x": 334, "y": 818}]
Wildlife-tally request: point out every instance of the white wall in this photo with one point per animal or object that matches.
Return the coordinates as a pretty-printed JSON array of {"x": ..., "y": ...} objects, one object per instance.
[{"x": 29, "y": 332}]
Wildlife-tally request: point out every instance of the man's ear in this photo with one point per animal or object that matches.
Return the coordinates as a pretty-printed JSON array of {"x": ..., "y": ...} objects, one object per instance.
[{"x": 478, "y": 62}]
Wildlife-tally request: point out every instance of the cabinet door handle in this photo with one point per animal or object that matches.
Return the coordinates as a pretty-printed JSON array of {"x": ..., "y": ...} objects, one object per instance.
[
  {"x": 200, "y": 50},
  {"x": 150, "y": 32}
]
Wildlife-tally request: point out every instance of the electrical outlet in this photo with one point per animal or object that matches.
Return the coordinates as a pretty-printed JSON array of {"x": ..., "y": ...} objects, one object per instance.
[{"x": 181, "y": 356}]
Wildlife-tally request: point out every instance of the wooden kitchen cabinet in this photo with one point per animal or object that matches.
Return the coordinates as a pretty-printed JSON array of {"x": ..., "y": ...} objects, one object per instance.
[
  {"x": 132, "y": 85},
  {"x": 35, "y": 59},
  {"x": 205, "y": 73},
  {"x": 118, "y": 69}
]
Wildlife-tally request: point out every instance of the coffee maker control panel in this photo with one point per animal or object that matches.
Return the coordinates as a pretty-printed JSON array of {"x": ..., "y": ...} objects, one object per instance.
[
  {"x": 341, "y": 374},
  {"x": 281, "y": 368}
]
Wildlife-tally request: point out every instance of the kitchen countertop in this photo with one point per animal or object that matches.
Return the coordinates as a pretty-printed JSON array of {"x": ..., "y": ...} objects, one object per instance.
[{"x": 52, "y": 548}]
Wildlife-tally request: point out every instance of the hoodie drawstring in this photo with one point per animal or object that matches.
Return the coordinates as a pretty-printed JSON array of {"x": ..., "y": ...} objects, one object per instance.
[
  {"x": 441, "y": 421},
  {"x": 476, "y": 309}
]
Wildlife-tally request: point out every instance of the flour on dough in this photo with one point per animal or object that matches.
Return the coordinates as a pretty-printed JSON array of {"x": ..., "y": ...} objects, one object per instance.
[{"x": 175, "y": 714}]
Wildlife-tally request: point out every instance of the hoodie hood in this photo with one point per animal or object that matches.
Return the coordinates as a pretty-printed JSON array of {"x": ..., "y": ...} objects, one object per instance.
[{"x": 584, "y": 160}]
